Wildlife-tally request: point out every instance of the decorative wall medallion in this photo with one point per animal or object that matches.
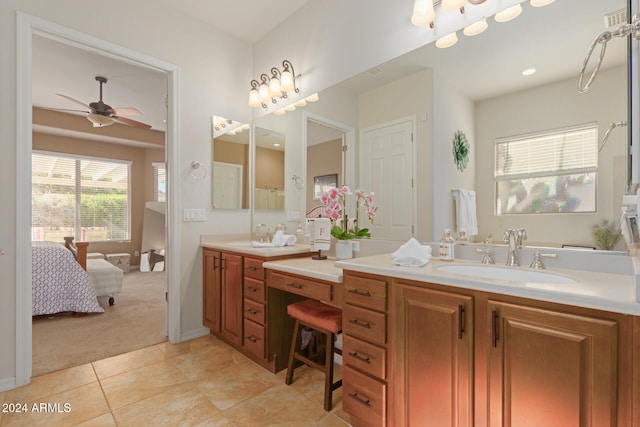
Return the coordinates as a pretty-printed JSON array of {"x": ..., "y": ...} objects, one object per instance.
[{"x": 460, "y": 150}]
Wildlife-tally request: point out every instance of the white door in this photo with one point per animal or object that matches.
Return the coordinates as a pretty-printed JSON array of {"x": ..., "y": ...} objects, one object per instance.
[
  {"x": 227, "y": 185},
  {"x": 386, "y": 168}
]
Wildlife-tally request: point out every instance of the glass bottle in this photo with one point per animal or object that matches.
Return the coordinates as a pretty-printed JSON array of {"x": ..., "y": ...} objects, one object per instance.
[{"x": 447, "y": 245}]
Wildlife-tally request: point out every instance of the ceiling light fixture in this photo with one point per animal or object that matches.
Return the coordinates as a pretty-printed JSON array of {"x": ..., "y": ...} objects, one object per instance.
[
  {"x": 475, "y": 28},
  {"x": 100, "y": 120},
  {"x": 273, "y": 87},
  {"x": 447, "y": 41},
  {"x": 541, "y": 3}
]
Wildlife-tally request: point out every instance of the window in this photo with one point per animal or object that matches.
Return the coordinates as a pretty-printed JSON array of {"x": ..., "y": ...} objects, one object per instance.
[
  {"x": 549, "y": 172},
  {"x": 84, "y": 197},
  {"x": 159, "y": 182}
]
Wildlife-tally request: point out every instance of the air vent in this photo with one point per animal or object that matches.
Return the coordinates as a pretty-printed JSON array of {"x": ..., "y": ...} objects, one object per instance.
[{"x": 615, "y": 18}]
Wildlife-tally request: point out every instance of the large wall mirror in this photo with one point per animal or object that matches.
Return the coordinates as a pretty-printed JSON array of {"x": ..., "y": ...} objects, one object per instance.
[
  {"x": 478, "y": 86},
  {"x": 269, "y": 170},
  {"x": 230, "y": 164}
]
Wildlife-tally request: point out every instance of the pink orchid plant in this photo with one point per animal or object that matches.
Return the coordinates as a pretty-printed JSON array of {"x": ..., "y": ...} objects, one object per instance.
[{"x": 335, "y": 209}]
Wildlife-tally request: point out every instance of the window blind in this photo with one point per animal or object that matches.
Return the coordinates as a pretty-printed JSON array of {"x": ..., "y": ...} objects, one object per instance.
[{"x": 159, "y": 182}]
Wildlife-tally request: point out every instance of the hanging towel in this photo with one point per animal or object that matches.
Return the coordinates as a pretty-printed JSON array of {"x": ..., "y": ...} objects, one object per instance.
[
  {"x": 322, "y": 234},
  {"x": 466, "y": 211},
  {"x": 412, "y": 254}
]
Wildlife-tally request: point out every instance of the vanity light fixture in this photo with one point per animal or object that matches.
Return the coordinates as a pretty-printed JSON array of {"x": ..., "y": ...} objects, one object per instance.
[
  {"x": 300, "y": 103},
  {"x": 452, "y": 5},
  {"x": 475, "y": 28},
  {"x": 273, "y": 87},
  {"x": 508, "y": 14},
  {"x": 447, "y": 41},
  {"x": 541, "y": 3},
  {"x": 423, "y": 13}
]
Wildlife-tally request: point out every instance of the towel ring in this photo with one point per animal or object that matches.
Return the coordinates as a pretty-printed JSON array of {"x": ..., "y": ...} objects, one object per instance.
[{"x": 198, "y": 171}]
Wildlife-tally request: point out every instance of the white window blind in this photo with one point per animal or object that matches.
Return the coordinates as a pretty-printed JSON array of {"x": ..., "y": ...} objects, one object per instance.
[
  {"x": 159, "y": 182},
  {"x": 550, "y": 172},
  {"x": 88, "y": 198}
]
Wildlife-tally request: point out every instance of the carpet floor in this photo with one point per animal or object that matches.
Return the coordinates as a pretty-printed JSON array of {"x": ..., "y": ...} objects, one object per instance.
[{"x": 136, "y": 320}]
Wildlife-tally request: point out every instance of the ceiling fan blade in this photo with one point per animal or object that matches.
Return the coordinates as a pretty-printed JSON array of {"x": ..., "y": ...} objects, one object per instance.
[
  {"x": 125, "y": 111},
  {"x": 131, "y": 122},
  {"x": 74, "y": 100},
  {"x": 65, "y": 109}
]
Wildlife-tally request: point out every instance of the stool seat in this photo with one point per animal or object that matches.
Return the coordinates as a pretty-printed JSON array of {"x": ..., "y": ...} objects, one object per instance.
[
  {"x": 317, "y": 314},
  {"x": 326, "y": 320}
]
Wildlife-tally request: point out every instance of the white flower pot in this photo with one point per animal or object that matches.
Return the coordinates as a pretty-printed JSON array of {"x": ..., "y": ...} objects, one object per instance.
[{"x": 344, "y": 249}]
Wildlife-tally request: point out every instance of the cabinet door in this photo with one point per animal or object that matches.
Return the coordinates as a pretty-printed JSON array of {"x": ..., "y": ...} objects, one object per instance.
[
  {"x": 231, "y": 320},
  {"x": 211, "y": 290},
  {"x": 433, "y": 365},
  {"x": 549, "y": 368}
]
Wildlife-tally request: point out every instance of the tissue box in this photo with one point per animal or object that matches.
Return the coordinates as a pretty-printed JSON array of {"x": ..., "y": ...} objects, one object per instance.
[{"x": 122, "y": 261}]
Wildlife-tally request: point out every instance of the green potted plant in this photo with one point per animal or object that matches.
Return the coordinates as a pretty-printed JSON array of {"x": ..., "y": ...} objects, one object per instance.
[{"x": 606, "y": 234}]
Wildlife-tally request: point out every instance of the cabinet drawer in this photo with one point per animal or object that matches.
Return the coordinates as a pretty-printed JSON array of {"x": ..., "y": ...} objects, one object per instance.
[
  {"x": 254, "y": 289},
  {"x": 254, "y": 311},
  {"x": 363, "y": 398},
  {"x": 369, "y": 293},
  {"x": 365, "y": 324},
  {"x": 366, "y": 357},
  {"x": 253, "y": 268},
  {"x": 254, "y": 338},
  {"x": 304, "y": 287}
]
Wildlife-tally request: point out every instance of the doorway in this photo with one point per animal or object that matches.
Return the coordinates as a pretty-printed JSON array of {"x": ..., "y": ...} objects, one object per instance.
[{"x": 28, "y": 26}]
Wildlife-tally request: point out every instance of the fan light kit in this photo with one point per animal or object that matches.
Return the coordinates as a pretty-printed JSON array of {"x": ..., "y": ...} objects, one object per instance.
[{"x": 101, "y": 114}]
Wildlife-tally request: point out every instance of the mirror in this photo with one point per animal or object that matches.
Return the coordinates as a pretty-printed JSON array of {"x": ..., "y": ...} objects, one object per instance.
[
  {"x": 477, "y": 86},
  {"x": 230, "y": 168},
  {"x": 269, "y": 170}
]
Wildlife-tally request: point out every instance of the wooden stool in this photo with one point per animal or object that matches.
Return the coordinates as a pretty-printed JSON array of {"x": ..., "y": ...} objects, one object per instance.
[{"x": 322, "y": 318}]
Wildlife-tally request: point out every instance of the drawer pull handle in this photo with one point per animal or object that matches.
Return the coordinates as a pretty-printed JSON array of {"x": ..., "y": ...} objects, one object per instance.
[
  {"x": 251, "y": 288},
  {"x": 365, "y": 402},
  {"x": 359, "y": 292},
  {"x": 251, "y": 311},
  {"x": 360, "y": 323},
  {"x": 365, "y": 359},
  {"x": 294, "y": 285},
  {"x": 252, "y": 339},
  {"x": 252, "y": 268}
]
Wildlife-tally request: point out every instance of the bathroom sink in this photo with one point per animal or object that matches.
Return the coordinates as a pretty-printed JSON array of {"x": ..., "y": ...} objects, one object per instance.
[
  {"x": 246, "y": 244},
  {"x": 506, "y": 273}
]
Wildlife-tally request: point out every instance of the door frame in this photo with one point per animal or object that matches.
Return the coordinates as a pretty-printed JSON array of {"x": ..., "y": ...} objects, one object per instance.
[{"x": 26, "y": 26}]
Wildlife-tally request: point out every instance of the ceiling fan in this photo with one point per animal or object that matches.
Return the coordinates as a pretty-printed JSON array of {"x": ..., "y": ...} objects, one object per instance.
[{"x": 101, "y": 114}]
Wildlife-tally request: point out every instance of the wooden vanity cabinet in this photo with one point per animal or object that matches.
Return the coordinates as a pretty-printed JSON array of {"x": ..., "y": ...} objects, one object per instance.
[
  {"x": 211, "y": 289},
  {"x": 364, "y": 352},
  {"x": 433, "y": 356},
  {"x": 254, "y": 307}
]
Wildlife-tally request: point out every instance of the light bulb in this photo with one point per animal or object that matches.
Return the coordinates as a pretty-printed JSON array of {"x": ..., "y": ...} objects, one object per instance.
[
  {"x": 475, "y": 28},
  {"x": 447, "y": 41},
  {"x": 264, "y": 92},
  {"x": 301, "y": 103},
  {"x": 313, "y": 97},
  {"x": 423, "y": 13},
  {"x": 508, "y": 14},
  {"x": 274, "y": 88},
  {"x": 286, "y": 81},
  {"x": 290, "y": 107},
  {"x": 279, "y": 112},
  {"x": 254, "y": 99},
  {"x": 540, "y": 3},
  {"x": 452, "y": 5}
]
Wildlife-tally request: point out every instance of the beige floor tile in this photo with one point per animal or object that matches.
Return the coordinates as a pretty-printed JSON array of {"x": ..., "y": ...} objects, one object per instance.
[
  {"x": 128, "y": 361},
  {"x": 236, "y": 383},
  {"x": 182, "y": 405},
  {"x": 205, "y": 363},
  {"x": 279, "y": 405},
  {"x": 196, "y": 345},
  {"x": 134, "y": 386},
  {"x": 52, "y": 383},
  {"x": 62, "y": 409},
  {"x": 105, "y": 420}
]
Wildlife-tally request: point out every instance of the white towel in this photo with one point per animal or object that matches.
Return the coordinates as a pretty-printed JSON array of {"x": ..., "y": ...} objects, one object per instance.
[
  {"x": 466, "y": 211},
  {"x": 281, "y": 239},
  {"x": 624, "y": 228},
  {"x": 412, "y": 254},
  {"x": 322, "y": 234}
]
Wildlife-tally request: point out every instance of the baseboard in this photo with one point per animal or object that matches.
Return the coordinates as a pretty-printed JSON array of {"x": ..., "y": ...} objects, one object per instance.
[
  {"x": 196, "y": 333},
  {"x": 7, "y": 384}
]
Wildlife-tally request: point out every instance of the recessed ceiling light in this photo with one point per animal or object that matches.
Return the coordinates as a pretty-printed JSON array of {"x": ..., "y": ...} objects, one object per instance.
[
  {"x": 529, "y": 71},
  {"x": 275, "y": 144}
]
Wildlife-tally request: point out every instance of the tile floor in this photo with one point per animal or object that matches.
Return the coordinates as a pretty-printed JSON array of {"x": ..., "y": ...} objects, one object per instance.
[{"x": 202, "y": 382}]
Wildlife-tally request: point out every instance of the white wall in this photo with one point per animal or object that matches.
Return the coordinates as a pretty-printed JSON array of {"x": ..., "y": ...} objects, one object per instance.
[
  {"x": 214, "y": 71},
  {"x": 531, "y": 111}
]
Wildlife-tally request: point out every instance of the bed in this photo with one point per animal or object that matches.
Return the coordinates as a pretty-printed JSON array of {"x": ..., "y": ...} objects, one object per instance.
[{"x": 59, "y": 283}]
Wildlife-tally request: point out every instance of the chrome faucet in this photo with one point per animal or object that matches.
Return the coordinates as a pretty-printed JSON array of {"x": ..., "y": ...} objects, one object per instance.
[
  {"x": 263, "y": 231},
  {"x": 512, "y": 236}
]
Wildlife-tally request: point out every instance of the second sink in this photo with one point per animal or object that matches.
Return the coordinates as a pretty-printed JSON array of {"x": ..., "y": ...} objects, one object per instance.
[{"x": 505, "y": 273}]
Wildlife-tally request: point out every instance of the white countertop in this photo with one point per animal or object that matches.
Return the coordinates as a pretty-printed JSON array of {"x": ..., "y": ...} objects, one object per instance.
[
  {"x": 603, "y": 291},
  {"x": 316, "y": 269},
  {"x": 244, "y": 247}
]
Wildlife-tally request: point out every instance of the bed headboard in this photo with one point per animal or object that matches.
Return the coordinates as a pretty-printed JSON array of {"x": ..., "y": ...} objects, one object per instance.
[{"x": 79, "y": 250}]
